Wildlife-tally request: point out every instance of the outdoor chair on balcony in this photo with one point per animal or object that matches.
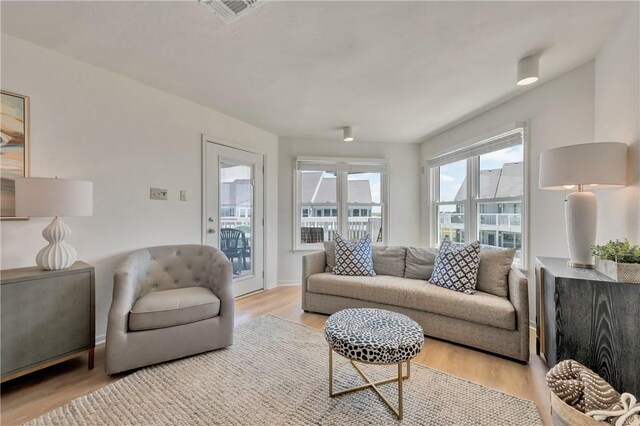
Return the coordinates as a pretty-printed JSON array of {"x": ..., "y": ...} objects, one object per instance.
[
  {"x": 310, "y": 235},
  {"x": 233, "y": 244}
]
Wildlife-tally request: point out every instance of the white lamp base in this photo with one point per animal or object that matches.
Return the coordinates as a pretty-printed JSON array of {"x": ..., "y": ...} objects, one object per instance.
[
  {"x": 581, "y": 212},
  {"x": 58, "y": 254}
]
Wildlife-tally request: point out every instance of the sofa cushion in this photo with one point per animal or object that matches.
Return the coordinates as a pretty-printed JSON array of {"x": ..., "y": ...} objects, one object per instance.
[
  {"x": 353, "y": 258},
  {"x": 330, "y": 255},
  {"x": 481, "y": 308},
  {"x": 456, "y": 268},
  {"x": 168, "y": 308},
  {"x": 389, "y": 260},
  {"x": 493, "y": 273},
  {"x": 419, "y": 263}
]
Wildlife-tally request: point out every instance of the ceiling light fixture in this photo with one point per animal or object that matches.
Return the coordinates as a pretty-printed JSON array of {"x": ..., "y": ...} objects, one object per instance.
[
  {"x": 348, "y": 134},
  {"x": 528, "y": 70}
]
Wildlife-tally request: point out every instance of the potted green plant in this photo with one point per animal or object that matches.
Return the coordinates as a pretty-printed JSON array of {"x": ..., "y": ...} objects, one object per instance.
[{"x": 619, "y": 260}]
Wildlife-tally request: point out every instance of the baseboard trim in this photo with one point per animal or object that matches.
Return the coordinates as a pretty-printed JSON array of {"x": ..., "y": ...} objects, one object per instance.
[
  {"x": 101, "y": 339},
  {"x": 288, "y": 283}
]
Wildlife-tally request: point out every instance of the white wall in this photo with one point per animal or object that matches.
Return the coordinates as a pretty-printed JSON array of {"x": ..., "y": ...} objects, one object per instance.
[
  {"x": 617, "y": 118},
  {"x": 89, "y": 123},
  {"x": 559, "y": 112},
  {"x": 404, "y": 223}
]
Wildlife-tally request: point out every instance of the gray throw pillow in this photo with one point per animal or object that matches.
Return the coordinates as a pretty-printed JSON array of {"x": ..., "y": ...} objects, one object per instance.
[
  {"x": 493, "y": 274},
  {"x": 330, "y": 255},
  {"x": 389, "y": 260},
  {"x": 420, "y": 262}
]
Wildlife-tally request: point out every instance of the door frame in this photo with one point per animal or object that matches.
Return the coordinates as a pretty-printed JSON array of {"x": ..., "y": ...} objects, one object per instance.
[{"x": 203, "y": 198}]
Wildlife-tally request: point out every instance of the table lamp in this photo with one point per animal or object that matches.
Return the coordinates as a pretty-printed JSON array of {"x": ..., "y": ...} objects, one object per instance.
[
  {"x": 583, "y": 167},
  {"x": 46, "y": 197}
]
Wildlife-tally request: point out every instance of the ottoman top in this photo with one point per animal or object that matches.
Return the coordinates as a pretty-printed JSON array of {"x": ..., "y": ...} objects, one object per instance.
[{"x": 374, "y": 335}]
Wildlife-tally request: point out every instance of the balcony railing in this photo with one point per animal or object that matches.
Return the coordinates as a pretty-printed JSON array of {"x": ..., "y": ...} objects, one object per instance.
[
  {"x": 509, "y": 222},
  {"x": 448, "y": 218},
  {"x": 358, "y": 226}
]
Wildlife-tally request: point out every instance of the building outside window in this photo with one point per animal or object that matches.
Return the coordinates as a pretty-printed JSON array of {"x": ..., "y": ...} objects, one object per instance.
[
  {"x": 339, "y": 196},
  {"x": 227, "y": 211},
  {"x": 478, "y": 194}
]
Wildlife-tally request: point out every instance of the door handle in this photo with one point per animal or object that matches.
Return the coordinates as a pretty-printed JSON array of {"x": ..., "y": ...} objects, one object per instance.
[{"x": 211, "y": 231}]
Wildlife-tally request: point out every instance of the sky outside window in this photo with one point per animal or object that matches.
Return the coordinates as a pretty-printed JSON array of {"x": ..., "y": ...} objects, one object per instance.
[
  {"x": 452, "y": 176},
  {"x": 495, "y": 159}
]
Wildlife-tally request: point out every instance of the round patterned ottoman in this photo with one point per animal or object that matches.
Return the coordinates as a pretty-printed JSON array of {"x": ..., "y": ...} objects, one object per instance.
[{"x": 373, "y": 336}]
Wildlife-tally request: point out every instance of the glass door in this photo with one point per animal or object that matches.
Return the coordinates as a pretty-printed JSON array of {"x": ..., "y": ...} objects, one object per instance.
[{"x": 234, "y": 212}]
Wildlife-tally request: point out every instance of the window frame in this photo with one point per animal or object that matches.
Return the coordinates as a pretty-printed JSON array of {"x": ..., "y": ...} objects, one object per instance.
[
  {"x": 471, "y": 203},
  {"x": 343, "y": 166}
]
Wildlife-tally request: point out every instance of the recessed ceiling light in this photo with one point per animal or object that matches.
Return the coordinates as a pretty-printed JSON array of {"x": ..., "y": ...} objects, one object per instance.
[
  {"x": 528, "y": 70},
  {"x": 347, "y": 134}
]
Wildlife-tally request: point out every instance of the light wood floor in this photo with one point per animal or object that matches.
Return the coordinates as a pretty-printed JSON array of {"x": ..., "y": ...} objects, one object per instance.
[{"x": 27, "y": 397}]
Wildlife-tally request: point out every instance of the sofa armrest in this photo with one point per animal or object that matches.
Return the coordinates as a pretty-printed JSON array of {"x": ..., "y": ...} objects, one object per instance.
[
  {"x": 519, "y": 297},
  {"x": 314, "y": 263}
]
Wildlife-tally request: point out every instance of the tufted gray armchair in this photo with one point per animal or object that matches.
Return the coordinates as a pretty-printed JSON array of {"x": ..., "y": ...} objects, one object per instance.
[{"x": 169, "y": 302}]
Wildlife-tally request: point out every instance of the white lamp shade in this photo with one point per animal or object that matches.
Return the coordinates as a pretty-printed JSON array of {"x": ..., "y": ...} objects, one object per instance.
[
  {"x": 46, "y": 197},
  {"x": 596, "y": 165}
]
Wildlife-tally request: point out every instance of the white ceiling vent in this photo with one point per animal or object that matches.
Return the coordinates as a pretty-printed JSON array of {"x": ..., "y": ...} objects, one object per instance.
[{"x": 230, "y": 10}]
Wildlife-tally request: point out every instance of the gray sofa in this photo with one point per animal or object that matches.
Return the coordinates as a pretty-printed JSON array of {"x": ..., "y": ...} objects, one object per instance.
[
  {"x": 169, "y": 302},
  {"x": 494, "y": 319}
]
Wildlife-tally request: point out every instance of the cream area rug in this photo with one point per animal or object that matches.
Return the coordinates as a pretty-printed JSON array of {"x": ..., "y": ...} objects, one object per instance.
[{"x": 276, "y": 373}]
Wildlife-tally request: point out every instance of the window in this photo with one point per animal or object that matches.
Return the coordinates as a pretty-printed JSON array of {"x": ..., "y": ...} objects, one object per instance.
[
  {"x": 345, "y": 196},
  {"x": 478, "y": 194},
  {"x": 227, "y": 212}
]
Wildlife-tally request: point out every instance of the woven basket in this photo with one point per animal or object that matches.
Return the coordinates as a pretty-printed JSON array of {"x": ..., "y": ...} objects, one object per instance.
[
  {"x": 563, "y": 414},
  {"x": 620, "y": 272}
]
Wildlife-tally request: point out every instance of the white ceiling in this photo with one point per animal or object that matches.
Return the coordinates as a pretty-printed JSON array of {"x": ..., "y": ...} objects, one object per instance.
[{"x": 396, "y": 71}]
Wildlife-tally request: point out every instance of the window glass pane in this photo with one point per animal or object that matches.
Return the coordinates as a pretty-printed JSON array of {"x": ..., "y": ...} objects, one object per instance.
[
  {"x": 318, "y": 209},
  {"x": 363, "y": 221},
  {"x": 502, "y": 173},
  {"x": 453, "y": 181},
  {"x": 316, "y": 226},
  {"x": 451, "y": 223},
  {"x": 236, "y": 205},
  {"x": 365, "y": 188},
  {"x": 317, "y": 187},
  {"x": 500, "y": 225}
]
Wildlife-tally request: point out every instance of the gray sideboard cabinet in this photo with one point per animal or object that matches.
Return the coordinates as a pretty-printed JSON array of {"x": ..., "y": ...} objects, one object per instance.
[
  {"x": 584, "y": 315},
  {"x": 47, "y": 317}
]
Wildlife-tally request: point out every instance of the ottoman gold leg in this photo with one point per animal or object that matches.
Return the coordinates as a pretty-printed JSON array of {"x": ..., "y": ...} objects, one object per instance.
[
  {"x": 373, "y": 385},
  {"x": 400, "y": 389},
  {"x": 330, "y": 371}
]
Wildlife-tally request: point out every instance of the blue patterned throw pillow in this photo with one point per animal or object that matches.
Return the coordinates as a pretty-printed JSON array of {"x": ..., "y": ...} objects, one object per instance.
[
  {"x": 456, "y": 268},
  {"x": 353, "y": 258}
]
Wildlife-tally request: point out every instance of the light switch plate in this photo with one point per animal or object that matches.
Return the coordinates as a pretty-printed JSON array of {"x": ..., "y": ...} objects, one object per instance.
[
  {"x": 183, "y": 195},
  {"x": 158, "y": 194}
]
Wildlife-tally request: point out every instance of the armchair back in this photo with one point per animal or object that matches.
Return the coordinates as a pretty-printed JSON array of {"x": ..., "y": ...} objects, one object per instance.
[{"x": 171, "y": 267}]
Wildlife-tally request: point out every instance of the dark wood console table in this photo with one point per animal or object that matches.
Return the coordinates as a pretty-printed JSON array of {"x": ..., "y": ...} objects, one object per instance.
[{"x": 583, "y": 315}]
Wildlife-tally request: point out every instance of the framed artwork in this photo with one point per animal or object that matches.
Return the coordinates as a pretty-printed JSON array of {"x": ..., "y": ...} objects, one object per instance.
[{"x": 14, "y": 149}]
